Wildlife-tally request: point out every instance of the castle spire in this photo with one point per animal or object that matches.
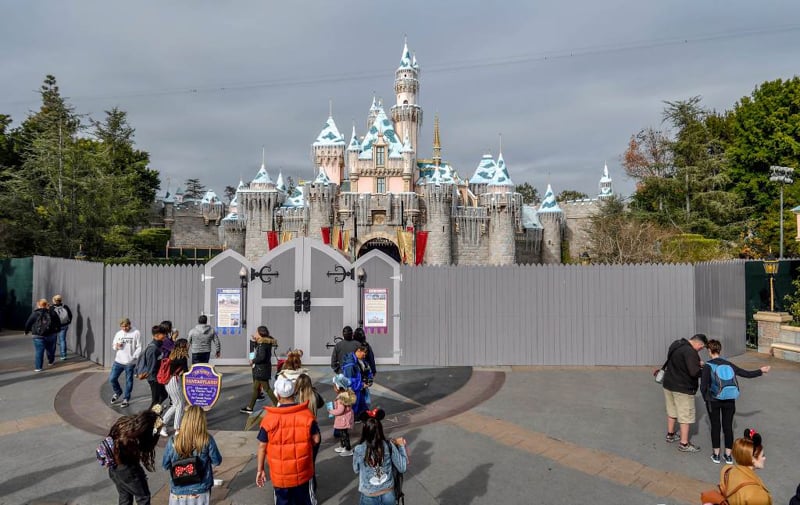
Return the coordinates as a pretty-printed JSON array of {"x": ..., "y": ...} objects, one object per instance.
[
  {"x": 437, "y": 143},
  {"x": 606, "y": 184}
]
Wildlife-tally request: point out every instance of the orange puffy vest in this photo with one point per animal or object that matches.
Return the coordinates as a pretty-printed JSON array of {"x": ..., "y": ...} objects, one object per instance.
[{"x": 290, "y": 453}]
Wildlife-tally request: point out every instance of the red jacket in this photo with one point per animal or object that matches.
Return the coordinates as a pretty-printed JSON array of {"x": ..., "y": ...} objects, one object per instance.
[{"x": 290, "y": 453}]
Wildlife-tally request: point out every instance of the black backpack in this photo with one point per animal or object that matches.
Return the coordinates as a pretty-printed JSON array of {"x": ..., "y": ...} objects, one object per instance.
[{"x": 43, "y": 324}]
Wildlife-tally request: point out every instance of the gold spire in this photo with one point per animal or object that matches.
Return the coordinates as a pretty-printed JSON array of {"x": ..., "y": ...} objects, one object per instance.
[{"x": 437, "y": 144}]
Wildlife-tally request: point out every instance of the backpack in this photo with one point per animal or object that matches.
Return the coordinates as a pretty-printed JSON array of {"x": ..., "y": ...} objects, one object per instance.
[
  {"x": 105, "y": 453},
  {"x": 42, "y": 324},
  {"x": 62, "y": 314},
  {"x": 723, "y": 382},
  {"x": 163, "y": 375}
]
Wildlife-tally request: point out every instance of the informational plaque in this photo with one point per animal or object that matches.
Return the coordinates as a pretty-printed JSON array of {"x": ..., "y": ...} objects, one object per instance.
[
  {"x": 375, "y": 310},
  {"x": 202, "y": 385},
  {"x": 229, "y": 311}
]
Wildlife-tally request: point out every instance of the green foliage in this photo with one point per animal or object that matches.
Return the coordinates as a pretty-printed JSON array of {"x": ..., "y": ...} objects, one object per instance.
[
  {"x": 566, "y": 258},
  {"x": 530, "y": 195},
  {"x": 692, "y": 248},
  {"x": 571, "y": 194},
  {"x": 152, "y": 240},
  {"x": 791, "y": 302},
  {"x": 194, "y": 189},
  {"x": 66, "y": 185},
  {"x": 619, "y": 236}
]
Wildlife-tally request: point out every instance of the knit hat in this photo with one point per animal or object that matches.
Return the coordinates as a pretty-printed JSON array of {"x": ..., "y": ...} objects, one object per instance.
[
  {"x": 341, "y": 382},
  {"x": 284, "y": 388}
]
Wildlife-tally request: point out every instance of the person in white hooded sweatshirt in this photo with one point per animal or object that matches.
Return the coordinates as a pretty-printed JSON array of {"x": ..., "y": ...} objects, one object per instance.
[
  {"x": 128, "y": 346},
  {"x": 200, "y": 339}
]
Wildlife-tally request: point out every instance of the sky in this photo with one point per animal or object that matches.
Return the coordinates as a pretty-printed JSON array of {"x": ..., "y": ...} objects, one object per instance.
[{"x": 207, "y": 83}]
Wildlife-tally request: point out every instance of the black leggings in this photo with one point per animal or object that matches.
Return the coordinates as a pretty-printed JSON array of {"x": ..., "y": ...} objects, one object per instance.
[{"x": 722, "y": 409}]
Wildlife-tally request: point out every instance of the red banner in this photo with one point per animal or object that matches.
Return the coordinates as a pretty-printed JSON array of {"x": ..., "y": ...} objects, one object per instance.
[
  {"x": 272, "y": 239},
  {"x": 326, "y": 235},
  {"x": 340, "y": 237},
  {"x": 422, "y": 241}
]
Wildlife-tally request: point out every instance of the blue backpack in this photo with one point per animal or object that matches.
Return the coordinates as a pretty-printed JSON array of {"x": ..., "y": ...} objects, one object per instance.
[{"x": 723, "y": 382}]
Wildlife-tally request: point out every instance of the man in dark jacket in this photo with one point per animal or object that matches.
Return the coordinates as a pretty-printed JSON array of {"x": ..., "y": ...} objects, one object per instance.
[
  {"x": 65, "y": 318},
  {"x": 148, "y": 366},
  {"x": 681, "y": 377},
  {"x": 44, "y": 325},
  {"x": 343, "y": 348}
]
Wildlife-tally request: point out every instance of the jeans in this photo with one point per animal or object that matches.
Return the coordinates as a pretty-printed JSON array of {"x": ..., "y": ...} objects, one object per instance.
[
  {"x": 38, "y": 352},
  {"x": 62, "y": 340},
  {"x": 113, "y": 379},
  {"x": 201, "y": 357},
  {"x": 384, "y": 499},
  {"x": 131, "y": 483}
]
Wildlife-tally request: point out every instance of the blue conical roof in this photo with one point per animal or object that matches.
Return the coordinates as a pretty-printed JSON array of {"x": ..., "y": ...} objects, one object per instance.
[{"x": 549, "y": 203}]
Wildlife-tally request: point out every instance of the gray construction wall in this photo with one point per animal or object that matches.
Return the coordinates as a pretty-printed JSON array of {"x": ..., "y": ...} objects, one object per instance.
[
  {"x": 720, "y": 302},
  {"x": 566, "y": 314}
]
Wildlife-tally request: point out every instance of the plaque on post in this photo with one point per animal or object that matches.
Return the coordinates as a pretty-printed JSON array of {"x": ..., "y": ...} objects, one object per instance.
[{"x": 202, "y": 385}]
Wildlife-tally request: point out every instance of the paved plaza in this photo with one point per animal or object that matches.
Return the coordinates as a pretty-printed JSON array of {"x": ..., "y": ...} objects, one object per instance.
[{"x": 518, "y": 435}]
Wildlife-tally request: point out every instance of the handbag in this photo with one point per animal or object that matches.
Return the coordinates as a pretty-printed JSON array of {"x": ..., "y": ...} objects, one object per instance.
[
  {"x": 186, "y": 471},
  {"x": 720, "y": 495},
  {"x": 659, "y": 373}
]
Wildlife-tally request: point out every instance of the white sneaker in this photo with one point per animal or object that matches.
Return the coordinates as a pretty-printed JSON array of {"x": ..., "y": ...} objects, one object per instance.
[
  {"x": 346, "y": 453},
  {"x": 163, "y": 432},
  {"x": 339, "y": 449}
]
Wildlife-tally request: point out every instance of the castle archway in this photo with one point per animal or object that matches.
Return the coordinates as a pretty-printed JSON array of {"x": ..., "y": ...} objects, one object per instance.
[{"x": 383, "y": 244}]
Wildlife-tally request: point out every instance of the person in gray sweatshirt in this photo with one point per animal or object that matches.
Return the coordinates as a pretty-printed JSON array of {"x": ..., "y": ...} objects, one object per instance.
[{"x": 200, "y": 339}]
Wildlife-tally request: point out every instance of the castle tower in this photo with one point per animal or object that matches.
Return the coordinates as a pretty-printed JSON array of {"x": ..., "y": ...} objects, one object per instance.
[
  {"x": 503, "y": 207},
  {"x": 329, "y": 150},
  {"x": 552, "y": 218},
  {"x": 408, "y": 165},
  {"x": 406, "y": 113},
  {"x": 320, "y": 197},
  {"x": 373, "y": 112},
  {"x": 439, "y": 191},
  {"x": 256, "y": 205},
  {"x": 606, "y": 188},
  {"x": 437, "y": 143}
]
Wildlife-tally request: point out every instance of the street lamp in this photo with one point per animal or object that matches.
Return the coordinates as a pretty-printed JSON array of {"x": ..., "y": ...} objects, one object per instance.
[
  {"x": 585, "y": 258},
  {"x": 771, "y": 268},
  {"x": 783, "y": 176},
  {"x": 243, "y": 279},
  {"x": 80, "y": 255},
  {"x": 362, "y": 281}
]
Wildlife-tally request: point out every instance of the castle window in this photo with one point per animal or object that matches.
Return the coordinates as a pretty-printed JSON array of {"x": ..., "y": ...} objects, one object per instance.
[
  {"x": 405, "y": 102},
  {"x": 380, "y": 185},
  {"x": 380, "y": 156}
]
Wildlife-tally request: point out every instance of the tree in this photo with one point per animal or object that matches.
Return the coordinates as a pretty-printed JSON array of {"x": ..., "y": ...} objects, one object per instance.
[
  {"x": 530, "y": 195},
  {"x": 648, "y": 155},
  {"x": 619, "y": 237},
  {"x": 571, "y": 194},
  {"x": 230, "y": 193},
  {"x": 194, "y": 189}
]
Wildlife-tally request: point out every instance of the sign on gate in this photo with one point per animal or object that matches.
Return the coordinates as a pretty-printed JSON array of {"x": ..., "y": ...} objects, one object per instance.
[
  {"x": 376, "y": 311},
  {"x": 229, "y": 311}
]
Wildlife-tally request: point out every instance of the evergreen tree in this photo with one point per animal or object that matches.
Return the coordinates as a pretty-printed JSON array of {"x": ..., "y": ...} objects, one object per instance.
[
  {"x": 571, "y": 194},
  {"x": 194, "y": 189},
  {"x": 530, "y": 195}
]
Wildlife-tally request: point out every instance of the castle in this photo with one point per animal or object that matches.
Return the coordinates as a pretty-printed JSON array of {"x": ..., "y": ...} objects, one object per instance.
[{"x": 374, "y": 192}]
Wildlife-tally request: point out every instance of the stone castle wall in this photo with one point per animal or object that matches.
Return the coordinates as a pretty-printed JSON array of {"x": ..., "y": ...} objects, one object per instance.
[
  {"x": 578, "y": 230},
  {"x": 189, "y": 228}
]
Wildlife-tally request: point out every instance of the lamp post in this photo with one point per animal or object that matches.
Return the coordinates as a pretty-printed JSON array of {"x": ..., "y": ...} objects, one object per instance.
[
  {"x": 783, "y": 176},
  {"x": 80, "y": 255},
  {"x": 362, "y": 280},
  {"x": 585, "y": 258},
  {"x": 243, "y": 279},
  {"x": 771, "y": 268}
]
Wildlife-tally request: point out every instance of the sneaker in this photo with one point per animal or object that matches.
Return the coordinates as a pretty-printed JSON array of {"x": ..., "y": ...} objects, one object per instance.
[
  {"x": 51, "y": 363},
  {"x": 339, "y": 449},
  {"x": 37, "y": 369},
  {"x": 163, "y": 432},
  {"x": 673, "y": 437},
  {"x": 728, "y": 459},
  {"x": 124, "y": 403},
  {"x": 114, "y": 399},
  {"x": 346, "y": 453},
  {"x": 260, "y": 396},
  {"x": 688, "y": 448},
  {"x": 715, "y": 458},
  {"x": 246, "y": 410},
  {"x": 63, "y": 358}
]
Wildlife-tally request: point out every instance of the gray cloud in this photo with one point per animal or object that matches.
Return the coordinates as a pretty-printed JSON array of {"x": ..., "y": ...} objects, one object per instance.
[{"x": 608, "y": 67}]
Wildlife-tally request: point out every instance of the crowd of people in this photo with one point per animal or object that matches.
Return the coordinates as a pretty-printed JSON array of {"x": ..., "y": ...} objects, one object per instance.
[
  {"x": 288, "y": 436},
  {"x": 684, "y": 374}
]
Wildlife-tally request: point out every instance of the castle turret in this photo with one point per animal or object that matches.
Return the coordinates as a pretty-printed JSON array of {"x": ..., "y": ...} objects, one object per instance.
[
  {"x": 256, "y": 205},
  {"x": 408, "y": 164},
  {"x": 606, "y": 189},
  {"x": 439, "y": 191},
  {"x": 552, "y": 219},
  {"x": 406, "y": 113},
  {"x": 329, "y": 150},
  {"x": 504, "y": 207},
  {"x": 320, "y": 197}
]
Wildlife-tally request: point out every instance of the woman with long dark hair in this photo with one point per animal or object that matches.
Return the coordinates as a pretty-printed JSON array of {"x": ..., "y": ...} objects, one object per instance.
[
  {"x": 134, "y": 441},
  {"x": 375, "y": 458}
]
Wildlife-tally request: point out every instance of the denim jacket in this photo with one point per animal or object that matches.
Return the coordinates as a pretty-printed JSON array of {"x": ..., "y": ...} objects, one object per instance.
[
  {"x": 365, "y": 472},
  {"x": 210, "y": 455}
]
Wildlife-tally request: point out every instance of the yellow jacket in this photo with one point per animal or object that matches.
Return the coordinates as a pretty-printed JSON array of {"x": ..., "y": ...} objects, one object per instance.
[{"x": 753, "y": 494}]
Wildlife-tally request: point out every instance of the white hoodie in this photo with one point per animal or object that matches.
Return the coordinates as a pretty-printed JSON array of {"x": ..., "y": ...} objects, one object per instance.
[{"x": 128, "y": 346}]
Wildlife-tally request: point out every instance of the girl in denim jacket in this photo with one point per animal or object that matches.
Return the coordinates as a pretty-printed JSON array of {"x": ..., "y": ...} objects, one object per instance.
[
  {"x": 192, "y": 439},
  {"x": 373, "y": 459}
]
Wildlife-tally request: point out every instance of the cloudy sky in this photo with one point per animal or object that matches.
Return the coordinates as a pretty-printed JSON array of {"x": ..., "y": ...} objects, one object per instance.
[{"x": 566, "y": 83}]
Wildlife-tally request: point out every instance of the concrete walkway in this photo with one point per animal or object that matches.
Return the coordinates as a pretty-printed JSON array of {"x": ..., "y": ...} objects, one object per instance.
[{"x": 520, "y": 435}]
